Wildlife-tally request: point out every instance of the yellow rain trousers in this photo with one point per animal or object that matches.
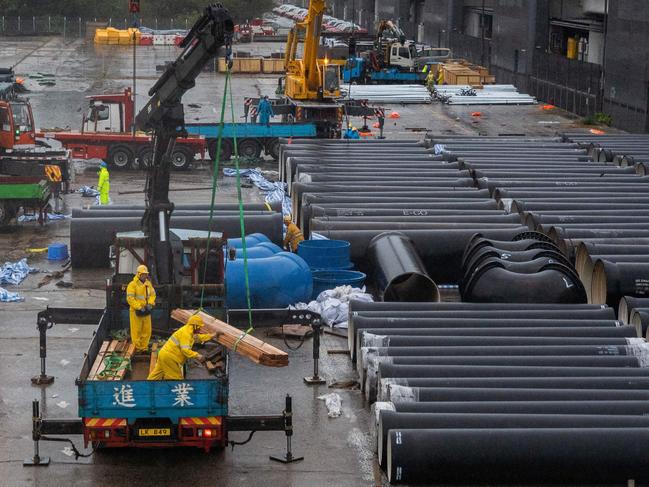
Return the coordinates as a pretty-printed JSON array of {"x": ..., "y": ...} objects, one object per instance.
[
  {"x": 138, "y": 295},
  {"x": 175, "y": 352},
  {"x": 293, "y": 237},
  {"x": 103, "y": 186}
]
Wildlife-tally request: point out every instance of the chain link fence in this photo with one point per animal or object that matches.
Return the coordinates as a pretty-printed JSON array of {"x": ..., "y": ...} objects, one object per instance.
[{"x": 71, "y": 27}]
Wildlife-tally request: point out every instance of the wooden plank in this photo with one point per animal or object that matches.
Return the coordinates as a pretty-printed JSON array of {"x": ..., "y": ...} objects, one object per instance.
[
  {"x": 247, "y": 345},
  {"x": 128, "y": 354},
  {"x": 99, "y": 360}
]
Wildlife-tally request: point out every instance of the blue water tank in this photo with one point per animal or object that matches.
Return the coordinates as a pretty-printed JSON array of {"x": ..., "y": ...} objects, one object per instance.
[
  {"x": 331, "y": 278},
  {"x": 251, "y": 240},
  {"x": 57, "y": 251},
  {"x": 325, "y": 254},
  {"x": 275, "y": 282},
  {"x": 262, "y": 249}
]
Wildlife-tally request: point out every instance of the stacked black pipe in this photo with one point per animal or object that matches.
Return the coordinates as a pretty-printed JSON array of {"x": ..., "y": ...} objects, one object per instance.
[
  {"x": 557, "y": 189},
  {"x": 406, "y": 211},
  {"x": 530, "y": 269},
  {"x": 491, "y": 393}
]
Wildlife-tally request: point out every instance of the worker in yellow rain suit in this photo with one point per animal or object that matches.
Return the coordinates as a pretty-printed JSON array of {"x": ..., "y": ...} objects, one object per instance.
[
  {"x": 140, "y": 296},
  {"x": 293, "y": 235},
  {"x": 103, "y": 185},
  {"x": 177, "y": 350}
]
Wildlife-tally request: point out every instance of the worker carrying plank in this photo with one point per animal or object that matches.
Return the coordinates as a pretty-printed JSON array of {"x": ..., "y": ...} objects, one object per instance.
[
  {"x": 140, "y": 297},
  {"x": 178, "y": 350}
]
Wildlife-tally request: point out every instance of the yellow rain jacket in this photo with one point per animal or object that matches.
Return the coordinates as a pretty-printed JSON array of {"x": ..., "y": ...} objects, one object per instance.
[
  {"x": 175, "y": 352},
  {"x": 138, "y": 295},
  {"x": 293, "y": 236}
]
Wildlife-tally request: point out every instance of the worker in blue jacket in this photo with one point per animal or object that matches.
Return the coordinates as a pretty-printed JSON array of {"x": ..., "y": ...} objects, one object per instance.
[
  {"x": 352, "y": 133},
  {"x": 265, "y": 111}
]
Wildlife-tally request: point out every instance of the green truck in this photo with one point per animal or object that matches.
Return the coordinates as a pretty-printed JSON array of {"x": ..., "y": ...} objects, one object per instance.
[{"x": 32, "y": 194}]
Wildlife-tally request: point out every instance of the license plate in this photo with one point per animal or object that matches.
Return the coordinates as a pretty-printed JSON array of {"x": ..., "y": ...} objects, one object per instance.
[{"x": 154, "y": 432}]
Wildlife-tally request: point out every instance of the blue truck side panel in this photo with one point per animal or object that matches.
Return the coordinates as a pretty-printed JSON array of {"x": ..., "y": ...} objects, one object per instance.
[
  {"x": 253, "y": 130},
  {"x": 153, "y": 399}
]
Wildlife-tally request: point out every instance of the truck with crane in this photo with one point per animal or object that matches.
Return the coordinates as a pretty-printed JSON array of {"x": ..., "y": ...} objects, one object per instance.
[
  {"x": 31, "y": 172},
  {"x": 132, "y": 411}
]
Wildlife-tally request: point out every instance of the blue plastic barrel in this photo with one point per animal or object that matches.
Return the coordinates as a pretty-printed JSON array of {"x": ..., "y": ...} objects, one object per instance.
[
  {"x": 331, "y": 278},
  {"x": 251, "y": 240},
  {"x": 275, "y": 282},
  {"x": 57, "y": 251},
  {"x": 325, "y": 254}
]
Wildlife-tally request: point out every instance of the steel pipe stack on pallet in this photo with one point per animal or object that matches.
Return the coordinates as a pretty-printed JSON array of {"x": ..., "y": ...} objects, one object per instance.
[
  {"x": 506, "y": 379},
  {"x": 487, "y": 95},
  {"x": 557, "y": 189},
  {"x": 390, "y": 93}
]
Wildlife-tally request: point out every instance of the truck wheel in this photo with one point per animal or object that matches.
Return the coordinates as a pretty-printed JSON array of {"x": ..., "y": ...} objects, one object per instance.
[
  {"x": 226, "y": 149},
  {"x": 250, "y": 148},
  {"x": 145, "y": 157},
  {"x": 181, "y": 158},
  {"x": 121, "y": 157},
  {"x": 272, "y": 148}
]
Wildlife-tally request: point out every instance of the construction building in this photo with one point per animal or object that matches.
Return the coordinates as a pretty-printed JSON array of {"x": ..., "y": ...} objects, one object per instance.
[{"x": 585, "y": 56}]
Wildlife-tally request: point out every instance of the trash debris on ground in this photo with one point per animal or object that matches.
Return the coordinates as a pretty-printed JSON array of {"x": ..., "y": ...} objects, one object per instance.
[
  {"x": 350, "y": 384},
  {"x": 49, "y": 217},
  {"x": 15, "y": 272},
  {"x": 274, "y": 191},
  {"x": 9, "y": 297},
  {"x": 333, "y": 304},
  {"x": 54, "y": 275},
  {"x": 334, "y": 404},
  {"x": 64, "y": 284},
  {"x": 36, "y": 251},
  {"x": 88, "y": 192}
]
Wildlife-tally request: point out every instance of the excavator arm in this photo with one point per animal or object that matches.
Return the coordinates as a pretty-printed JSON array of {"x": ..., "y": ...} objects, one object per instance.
[{"x": 164, "y": 116}]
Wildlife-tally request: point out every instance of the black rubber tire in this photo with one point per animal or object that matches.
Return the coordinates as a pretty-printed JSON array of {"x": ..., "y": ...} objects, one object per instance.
[
  {"x": 181, "y": 159},
  {"x": 272, "y": 148},
  {"x": 121, "y": 157},
  {"x": 145, "y": 157},
  {"x": 250, "y": 148},
  {"x": 226, "y": 149}
]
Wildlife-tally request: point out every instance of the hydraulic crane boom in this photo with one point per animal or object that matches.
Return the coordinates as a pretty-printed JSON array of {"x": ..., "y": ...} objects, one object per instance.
[{"x": 164, "y": 115}]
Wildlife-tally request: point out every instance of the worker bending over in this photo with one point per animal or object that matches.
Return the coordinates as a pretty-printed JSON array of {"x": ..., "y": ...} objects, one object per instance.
[
  {"x": 140, "y": 296},
  {"x": 178, "y": 350},
  {"x": 293, "y": 235},
  {"x": 103, "y": 185},
  {"x": 351, "y": 133}
]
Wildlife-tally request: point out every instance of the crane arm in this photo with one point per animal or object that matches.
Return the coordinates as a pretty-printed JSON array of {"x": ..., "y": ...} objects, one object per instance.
[{"x": 164, "y": 116}]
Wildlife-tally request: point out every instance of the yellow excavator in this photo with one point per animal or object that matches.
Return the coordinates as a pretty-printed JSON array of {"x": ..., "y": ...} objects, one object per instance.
[
  {"x": 311, "y": 85},
  {"x": 310, "y": 78}
]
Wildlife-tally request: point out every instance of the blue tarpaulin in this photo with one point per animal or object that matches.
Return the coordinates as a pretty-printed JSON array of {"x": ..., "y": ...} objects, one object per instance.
[
  {"x": 15, "y": 272},
  {"x": 7, "y": 297},
  {"x": 274, "y": 191}
]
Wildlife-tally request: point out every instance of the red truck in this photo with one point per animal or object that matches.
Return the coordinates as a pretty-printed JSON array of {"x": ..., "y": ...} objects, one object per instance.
[{"x": 106, "y": 134}]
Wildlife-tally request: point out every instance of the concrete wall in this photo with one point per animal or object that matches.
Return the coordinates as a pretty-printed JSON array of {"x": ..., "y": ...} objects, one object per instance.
[{"x": 626, "y": 64}]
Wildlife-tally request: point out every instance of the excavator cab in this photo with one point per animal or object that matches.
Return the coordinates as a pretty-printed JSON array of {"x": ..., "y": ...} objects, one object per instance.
[{"x": 16, "y": 124}]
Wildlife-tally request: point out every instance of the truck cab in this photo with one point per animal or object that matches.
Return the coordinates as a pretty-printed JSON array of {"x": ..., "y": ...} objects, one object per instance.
[
  {"x": 109, "y": 113},
  {"x": 402, "y": 56},
  {"x": 16, "y": 124}
]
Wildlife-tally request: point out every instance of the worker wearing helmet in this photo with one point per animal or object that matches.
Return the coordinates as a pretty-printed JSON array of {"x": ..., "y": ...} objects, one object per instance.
[
  {"x": 352, "y": 133},
  {"x": 293, "y": 235},
  {"x": 103, "y": 185},
  {"x": 140, "y": 296},
  {"x": 178, "y": 350}
]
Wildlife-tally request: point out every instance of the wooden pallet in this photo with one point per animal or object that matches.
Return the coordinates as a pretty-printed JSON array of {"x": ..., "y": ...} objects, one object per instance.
[{"x": 249, "y": 346}]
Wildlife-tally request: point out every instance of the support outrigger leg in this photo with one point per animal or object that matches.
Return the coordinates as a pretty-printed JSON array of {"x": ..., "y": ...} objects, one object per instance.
[
  {"x": 288, "y": 428},
  {"x": 36, "y": 460}
]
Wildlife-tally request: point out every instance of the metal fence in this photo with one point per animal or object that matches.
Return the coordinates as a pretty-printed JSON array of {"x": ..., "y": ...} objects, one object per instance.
[
  {"x": 79, "y": 26},
  {"x": 566, "y": 83},
  {"x": 475, "y": 49}
]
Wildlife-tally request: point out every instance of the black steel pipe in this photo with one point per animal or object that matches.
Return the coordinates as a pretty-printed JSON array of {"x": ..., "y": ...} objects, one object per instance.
[
  {"x": 565, "y": 456},
  {"x": 392, "y": 420},
  {"x": 586, "y": 315},
  {"x": 640, "y": 319},
  {"x": 612, "y": 280},
  {"x": 80, "y": 213},
  {"x": 504, "y": 351},
  {"x": 355, "y": 305},
  {"x": 399, "y": 272},
  {"x": 275, "y": 206},
  {"x": 486, "y": 253},
  {"x": 410, "y": 341},
  {"x": 518, "y": 206},
  {"x": 90, "y": 238},
  {"x": 628, "y": 304},
  {"x": 518, "y": 360}
]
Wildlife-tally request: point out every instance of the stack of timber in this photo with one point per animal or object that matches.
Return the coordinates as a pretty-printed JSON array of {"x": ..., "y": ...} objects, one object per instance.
[
  {"x": 113, "y": 360},
  {"x": 236, "y": 340}
]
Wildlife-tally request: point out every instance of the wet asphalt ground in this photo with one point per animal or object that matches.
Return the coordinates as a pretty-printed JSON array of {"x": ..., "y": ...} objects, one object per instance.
[{"x": 337, "y": 451}]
